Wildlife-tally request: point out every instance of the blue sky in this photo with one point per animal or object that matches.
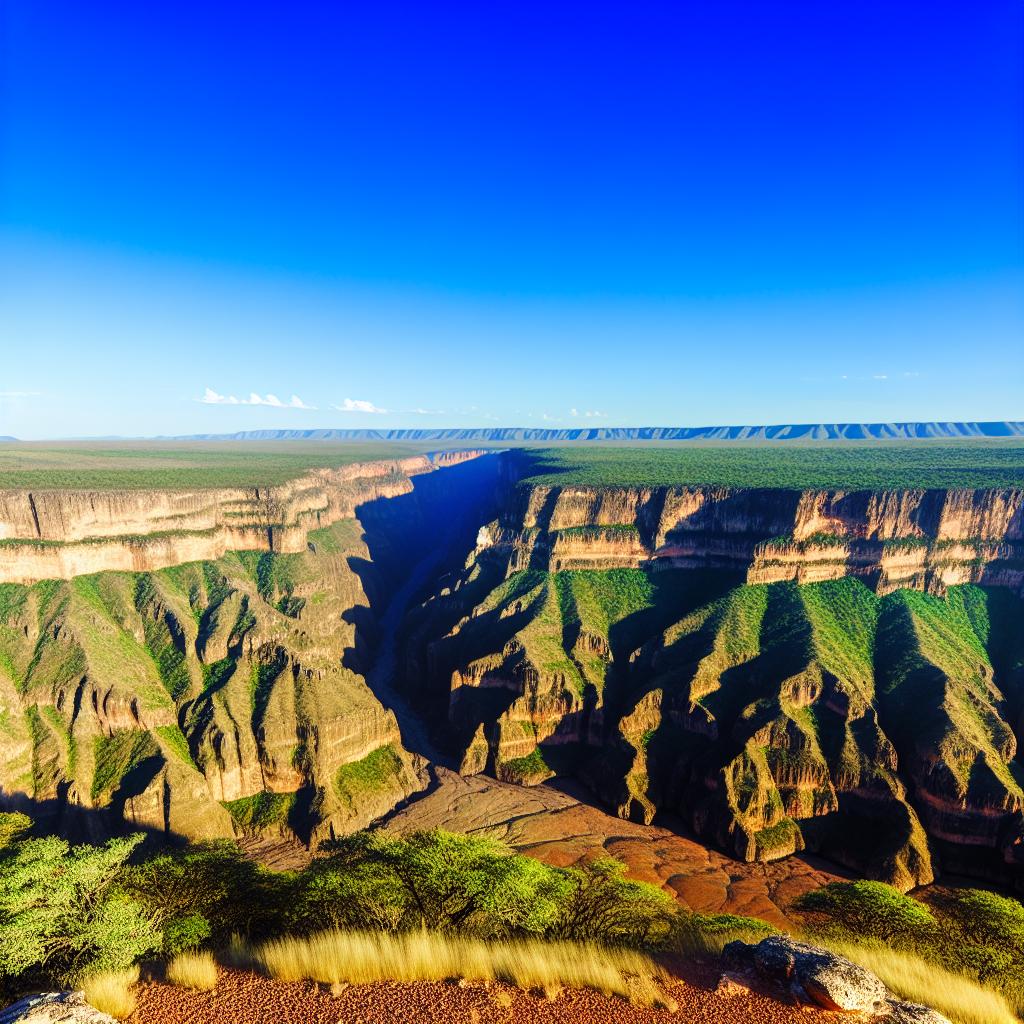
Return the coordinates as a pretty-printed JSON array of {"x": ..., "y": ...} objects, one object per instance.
[{"x": 482, "y": 214}]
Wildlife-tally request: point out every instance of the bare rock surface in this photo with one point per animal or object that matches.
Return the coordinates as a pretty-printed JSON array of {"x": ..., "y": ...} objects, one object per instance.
[
  {"x": 556, "y": 826},
  {"x": 912, "y": 1013},
  {"x": 812, "y": 976},
  {"x": 54, "y": 1008}
]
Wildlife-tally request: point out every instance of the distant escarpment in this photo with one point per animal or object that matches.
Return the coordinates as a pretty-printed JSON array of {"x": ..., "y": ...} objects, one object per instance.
[
  {"x": 775, "y": 432},
  {"x": 51, "y": 534},
  {"x": 834, "y": 671}
]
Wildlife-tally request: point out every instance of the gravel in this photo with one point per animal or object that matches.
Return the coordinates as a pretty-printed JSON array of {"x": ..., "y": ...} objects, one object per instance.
[{"x": 245, "y": 998}]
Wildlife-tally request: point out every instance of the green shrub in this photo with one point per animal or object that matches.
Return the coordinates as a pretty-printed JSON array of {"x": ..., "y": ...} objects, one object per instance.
[
  {"x": 61, "y": 915},
  {"x": 435, "y": 879},
  {"x": 969, "y": 932},
  {"x": 605, "y": 906},
  {"x": 208, "y": 891},
  {"x": 870, "y": 910}
]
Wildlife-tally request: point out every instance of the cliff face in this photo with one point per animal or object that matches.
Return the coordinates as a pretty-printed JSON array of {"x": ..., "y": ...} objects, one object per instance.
[
  {"x": 916, "y": 538},
  {"x": 62, "y": 534},
  {"x": 847, "y": 687},
  {"x": 202, "y": 700},
  {"x": 227, "y": 694},
  {"x": 826, "y": 670}
]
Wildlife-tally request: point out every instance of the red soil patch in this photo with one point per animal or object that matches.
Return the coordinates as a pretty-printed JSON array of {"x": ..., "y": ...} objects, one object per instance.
[
  {"x": 245, "y": 998},
  {"x": 559, "y": 827}
]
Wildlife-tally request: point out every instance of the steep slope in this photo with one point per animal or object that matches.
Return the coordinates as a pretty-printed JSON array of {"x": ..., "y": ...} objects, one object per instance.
[
  {"x": 621, "y": 635},
  {"x": 202, "y": 699}
]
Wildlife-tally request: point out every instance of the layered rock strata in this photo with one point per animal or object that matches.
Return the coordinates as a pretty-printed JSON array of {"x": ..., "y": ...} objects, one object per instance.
[
  {"x": 62, "y": 534},
  {"x": 642, "y": 640},
  {"x": 925, "y": 539}
]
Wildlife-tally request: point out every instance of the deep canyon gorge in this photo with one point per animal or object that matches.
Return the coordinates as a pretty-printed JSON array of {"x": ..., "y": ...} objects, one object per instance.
[{"x": 772, "y": 671}]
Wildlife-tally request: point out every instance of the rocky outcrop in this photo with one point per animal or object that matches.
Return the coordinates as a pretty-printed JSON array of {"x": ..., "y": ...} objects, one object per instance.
[
  {"x": 54, "y": 1008},
  {"x": 814, "y": 977},
  {"x": 614, "y": 634},
  {"x": 204, "y": 700},
  {"x": 61, "y": 534}
]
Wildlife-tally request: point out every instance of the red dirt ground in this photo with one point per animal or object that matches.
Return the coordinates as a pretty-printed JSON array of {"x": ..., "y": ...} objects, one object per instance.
[{"x": 245, "y": 998}]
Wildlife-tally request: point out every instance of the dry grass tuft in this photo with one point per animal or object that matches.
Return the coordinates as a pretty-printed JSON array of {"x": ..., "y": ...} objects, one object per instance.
[
  {"x": 111, "y": 991},
  {"x": 358, "y": 957},
  {"x": 961, "y": 999},
  {"x": 193, "y": 970}
]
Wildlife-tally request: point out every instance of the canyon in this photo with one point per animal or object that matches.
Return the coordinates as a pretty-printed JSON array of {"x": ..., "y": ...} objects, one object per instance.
[{"x": 769, "y": 672}]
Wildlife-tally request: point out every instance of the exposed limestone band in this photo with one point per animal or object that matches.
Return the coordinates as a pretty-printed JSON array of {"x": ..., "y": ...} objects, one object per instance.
[{"x": 62, "y": 534}]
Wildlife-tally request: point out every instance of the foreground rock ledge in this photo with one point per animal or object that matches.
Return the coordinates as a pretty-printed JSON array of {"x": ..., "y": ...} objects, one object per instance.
[
  {"x": 54, "y": 1008},
  {"x": 811, "y": 976}
]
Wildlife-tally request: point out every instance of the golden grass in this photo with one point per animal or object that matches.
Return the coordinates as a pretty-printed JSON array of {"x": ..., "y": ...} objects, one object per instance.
[
  {"x": 692, "y": 940},
  {"x": 111, "y": 991},
  {"x": 193, "y": 970},
  {"x": 961, "y": 999},
  {"x": 333, "y": 957}
]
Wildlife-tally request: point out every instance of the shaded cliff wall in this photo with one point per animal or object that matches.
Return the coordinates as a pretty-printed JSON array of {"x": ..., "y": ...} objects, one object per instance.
[
  {"x": 231, "y": 694},
  {"x": 784, "y": 670}
]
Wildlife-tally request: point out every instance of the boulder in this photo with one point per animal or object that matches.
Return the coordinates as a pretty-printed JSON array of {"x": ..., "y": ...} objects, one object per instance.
[
  {"x": 54, "y": 1008},
  {"x": 814, "y": 974},
  {"x": 911, "y": 1013}
]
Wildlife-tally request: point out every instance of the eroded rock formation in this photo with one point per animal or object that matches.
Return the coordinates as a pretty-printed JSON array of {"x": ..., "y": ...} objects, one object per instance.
[{"x": 643, "y": 640}]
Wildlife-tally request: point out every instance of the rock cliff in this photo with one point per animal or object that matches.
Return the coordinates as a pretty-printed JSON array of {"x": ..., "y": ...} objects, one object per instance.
[
  {"x": 925, "y": 539},
  {"x": 223, "y": 695},
  {"x": 207, "y": 699},
  {"x": 838, "y": 671},
  {"x": 62, "y": 534}
]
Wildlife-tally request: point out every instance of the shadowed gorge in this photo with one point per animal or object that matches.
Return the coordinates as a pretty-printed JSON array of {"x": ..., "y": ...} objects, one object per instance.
[{"x": 778, "y": 670}]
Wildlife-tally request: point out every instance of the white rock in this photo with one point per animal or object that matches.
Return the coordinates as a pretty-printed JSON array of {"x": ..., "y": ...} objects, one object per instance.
[{"x": 54, "y": 1008}]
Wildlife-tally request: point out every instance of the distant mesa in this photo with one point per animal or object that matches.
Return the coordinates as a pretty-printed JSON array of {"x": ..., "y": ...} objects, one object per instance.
[{"x": 955, "y": 430}]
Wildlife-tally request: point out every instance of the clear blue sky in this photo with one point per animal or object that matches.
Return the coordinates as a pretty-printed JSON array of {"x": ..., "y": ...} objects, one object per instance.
[{"x": 473, "y": 214}]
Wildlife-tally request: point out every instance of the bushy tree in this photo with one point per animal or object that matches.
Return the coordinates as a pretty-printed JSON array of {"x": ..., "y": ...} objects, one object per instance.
[
  {"x": 60, "y": 914},
  {"x": 983, "y": 932},
  {"x": 208, "y": 891},
  {"x": 602, "y": 905},
  {"x": 435, "y": 879},
  {"x": 870, "y": 910}
]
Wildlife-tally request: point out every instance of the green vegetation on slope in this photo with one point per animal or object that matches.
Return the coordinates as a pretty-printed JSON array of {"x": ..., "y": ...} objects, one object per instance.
[
  {"x": 357, "y": 780},
  {"x": 868, "y": 466},
  {"x": 972, "y": 933},
  {"x": 776, "y": 717}
]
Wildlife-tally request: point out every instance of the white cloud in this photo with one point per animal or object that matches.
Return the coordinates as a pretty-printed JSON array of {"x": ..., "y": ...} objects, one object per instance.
[
  {"x": 574, "y": 412},
  {"x": 211, "y": 397},
  {"x": 594, "y": 414},
  {"x": 428, "y": 412},
  {"x": 880, "y": 376},
  {"x": 912, "y": 373},
  {"x": 19, "y": 394},
  {"x": 357, "y": 405}
]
